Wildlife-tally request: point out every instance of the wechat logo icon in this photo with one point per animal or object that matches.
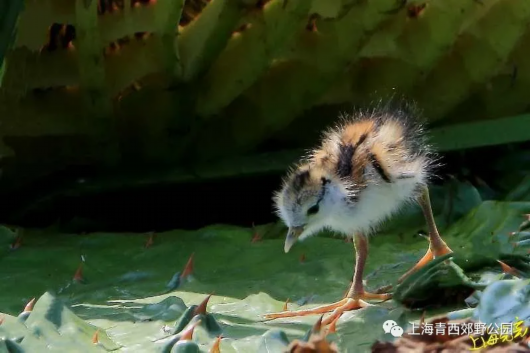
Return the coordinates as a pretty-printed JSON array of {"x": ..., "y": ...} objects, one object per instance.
[{"x": 390, "y": 326}]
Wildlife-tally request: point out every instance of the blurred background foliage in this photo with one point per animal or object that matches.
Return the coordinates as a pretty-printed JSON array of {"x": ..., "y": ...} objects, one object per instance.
[{"x": 172, "y": 92}]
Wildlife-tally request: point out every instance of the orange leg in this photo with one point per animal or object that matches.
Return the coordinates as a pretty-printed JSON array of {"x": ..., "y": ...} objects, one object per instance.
[
  {"x": 437, "y": 246},
  {"x": 355, "y": 299}
]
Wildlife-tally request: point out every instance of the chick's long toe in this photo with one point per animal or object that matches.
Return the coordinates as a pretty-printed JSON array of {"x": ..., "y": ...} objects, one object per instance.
[
  {"x": 355, "y": 299},
  {"x": 336, "y": 309}
]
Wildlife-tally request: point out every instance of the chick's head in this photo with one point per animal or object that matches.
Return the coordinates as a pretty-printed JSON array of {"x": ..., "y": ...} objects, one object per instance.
[{"x": 302, "y": 203}]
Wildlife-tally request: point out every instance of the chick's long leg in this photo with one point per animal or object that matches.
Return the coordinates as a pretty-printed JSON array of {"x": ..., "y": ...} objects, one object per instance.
[
  {"x": 355, "y": 299},
  {"x": 437, "y": 247}
]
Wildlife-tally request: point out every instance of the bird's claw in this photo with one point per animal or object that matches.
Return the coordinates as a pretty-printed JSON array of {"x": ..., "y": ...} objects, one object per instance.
[
  {"x": 305, "y": 312},
  {"x": 336, "y": 309},
  {"x": 350, "y": 304},
  {"x": 429, "y": 256}
]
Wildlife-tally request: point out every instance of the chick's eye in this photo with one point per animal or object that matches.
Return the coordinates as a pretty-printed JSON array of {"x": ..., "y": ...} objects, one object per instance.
[{"x": 312, "y": 210}]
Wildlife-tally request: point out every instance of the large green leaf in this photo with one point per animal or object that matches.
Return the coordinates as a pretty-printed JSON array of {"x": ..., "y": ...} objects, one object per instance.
[{"x": 124, "y": 293}]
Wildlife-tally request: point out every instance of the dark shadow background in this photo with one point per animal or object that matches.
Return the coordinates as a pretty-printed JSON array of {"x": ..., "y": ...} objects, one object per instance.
[{"x": 237, "y": 201}]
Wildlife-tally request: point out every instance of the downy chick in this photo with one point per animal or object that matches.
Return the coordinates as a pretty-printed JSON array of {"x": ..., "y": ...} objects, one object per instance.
[{"x": 364, "y": 170}]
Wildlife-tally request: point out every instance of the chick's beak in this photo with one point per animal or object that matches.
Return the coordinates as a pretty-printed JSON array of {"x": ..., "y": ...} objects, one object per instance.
[{"x": 292, "y": 237}]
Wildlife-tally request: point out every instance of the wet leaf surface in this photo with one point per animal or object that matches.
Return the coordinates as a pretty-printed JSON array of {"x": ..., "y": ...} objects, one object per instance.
[{"x": 125, "y": 298}]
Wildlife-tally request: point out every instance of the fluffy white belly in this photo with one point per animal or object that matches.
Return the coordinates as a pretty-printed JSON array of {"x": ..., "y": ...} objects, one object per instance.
[{"x": 376, "y": 203}]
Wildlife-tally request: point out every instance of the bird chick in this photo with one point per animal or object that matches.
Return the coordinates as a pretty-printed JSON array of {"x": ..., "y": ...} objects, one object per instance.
[{"x": 364, "y": 171}]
